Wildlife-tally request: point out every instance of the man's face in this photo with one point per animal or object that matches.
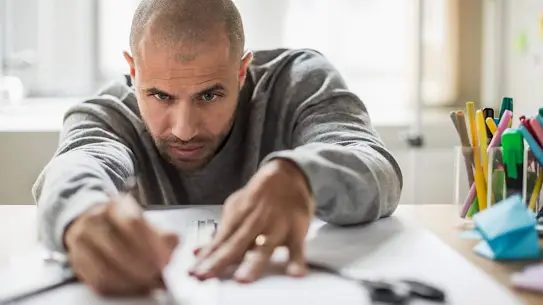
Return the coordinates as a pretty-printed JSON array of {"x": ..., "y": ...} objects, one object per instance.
[{"x": 187, "y": 97}]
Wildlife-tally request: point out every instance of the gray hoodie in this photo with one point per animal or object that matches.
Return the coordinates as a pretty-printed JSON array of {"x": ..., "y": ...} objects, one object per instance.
[{"x": 294, "y": 105}]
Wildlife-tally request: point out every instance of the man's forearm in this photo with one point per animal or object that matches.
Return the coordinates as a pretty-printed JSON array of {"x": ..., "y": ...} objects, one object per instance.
[
  {"x": 350, "y": 184},
  {"x": 70, "y": 185}
]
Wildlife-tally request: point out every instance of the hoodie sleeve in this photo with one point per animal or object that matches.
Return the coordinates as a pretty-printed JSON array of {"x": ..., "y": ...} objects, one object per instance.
[
  {"x": 353, "y": 177},
  {"x": 90, "y": 165}
]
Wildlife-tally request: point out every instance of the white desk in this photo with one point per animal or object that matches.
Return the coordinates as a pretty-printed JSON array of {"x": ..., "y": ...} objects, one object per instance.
[{"x": 18, "y": 227}]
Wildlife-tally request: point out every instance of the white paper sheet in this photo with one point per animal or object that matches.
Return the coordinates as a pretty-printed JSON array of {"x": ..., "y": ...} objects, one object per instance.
[{"x": 395, "y": 247}]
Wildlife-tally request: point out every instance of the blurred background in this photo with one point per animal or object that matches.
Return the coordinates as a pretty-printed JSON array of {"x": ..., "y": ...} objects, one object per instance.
[{"x": 411, "y": 62}]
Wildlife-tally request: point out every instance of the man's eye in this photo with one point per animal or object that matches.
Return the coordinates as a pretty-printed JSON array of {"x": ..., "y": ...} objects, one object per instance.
[
  {"x": 161, "y": 96},
  {"x": 209, "y": 97}
]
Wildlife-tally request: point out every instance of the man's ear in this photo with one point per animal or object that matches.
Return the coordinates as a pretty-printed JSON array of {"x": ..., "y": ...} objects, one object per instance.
[
  {"x": 130, "y": 60},
  {"x": 245, "y": 61}
]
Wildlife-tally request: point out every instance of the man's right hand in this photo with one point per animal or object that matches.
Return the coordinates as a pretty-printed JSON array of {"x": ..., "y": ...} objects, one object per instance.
[{"x": 115, "y": 251}]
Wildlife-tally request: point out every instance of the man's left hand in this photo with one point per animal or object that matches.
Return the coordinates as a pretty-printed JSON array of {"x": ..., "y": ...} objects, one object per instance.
[{"x": 274, "y": 209}]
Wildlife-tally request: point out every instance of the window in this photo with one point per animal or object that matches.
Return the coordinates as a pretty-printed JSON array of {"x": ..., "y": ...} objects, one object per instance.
[
  {"x": 366, "y": 40},
  {"x": 77, "y": 45},
  {"x": 114, "y": 30}
]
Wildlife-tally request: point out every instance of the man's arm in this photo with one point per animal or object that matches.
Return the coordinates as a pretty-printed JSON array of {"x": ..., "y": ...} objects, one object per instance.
[
  {"x": 91, "y": 164},
  {"x": 353, "y": 177}
]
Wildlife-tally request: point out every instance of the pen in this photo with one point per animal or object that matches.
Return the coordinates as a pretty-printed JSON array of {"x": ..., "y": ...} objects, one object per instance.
[
  {"x": 506, "y": 104},
  {"x": 537, "y": 130},
  {"x": 483, "y": 141},
  {"x": 67, "y": 277},
  {"x": 60, "y": 259},
  {"x": 452, "y": 114},
  {"x": 495, "y": 142},
  {"x": 532, "y": 143},
  {"x": 474, "y": 208},
  {"x": 460, "y": 126},
  {"x": 464, "y": 138},
  {"x": 488, "y": 113},
  {"x": 513, "y": 149},
  {"x": 491, "y": 125},
  {"x": 526, "y": 123},
  {"x": 479, "y": 175},
  {"x": 535, "y": 192},
  {"x": 462, "y": 130}
]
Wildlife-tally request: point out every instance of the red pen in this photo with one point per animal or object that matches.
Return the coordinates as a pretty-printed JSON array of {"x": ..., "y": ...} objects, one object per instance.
[
  {"x": 526, "y": 123},
  {"x": 537, "y": 130}
]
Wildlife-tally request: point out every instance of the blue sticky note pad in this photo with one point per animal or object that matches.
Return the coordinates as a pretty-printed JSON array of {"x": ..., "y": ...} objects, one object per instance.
[
  {"x": 508, "y": 231},
  {"x": 471, "y": 234}
]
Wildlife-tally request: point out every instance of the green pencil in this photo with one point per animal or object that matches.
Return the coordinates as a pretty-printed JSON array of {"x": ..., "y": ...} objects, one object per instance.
[
  {"x": 473, "y": 209},
  {"x": 507, "y": 104}
]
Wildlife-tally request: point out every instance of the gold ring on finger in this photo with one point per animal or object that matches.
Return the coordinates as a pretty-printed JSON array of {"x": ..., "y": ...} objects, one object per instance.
[{"x": 261, "y": 240}]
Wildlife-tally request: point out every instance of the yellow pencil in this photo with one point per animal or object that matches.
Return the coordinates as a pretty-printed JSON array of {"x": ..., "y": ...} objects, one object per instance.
[
  {"x": 480, "y": 185},
  {"x": 483, "y": 140},
  {"x": 470, "y": 113},
  {"x": 492, "y": 125},
  {"x": 535, "y": 192}
]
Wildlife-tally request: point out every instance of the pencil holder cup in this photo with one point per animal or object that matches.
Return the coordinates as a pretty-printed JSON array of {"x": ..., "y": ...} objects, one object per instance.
[
  {"x": 499, "y": 186},
  {"x": 508, "y": 176},
  {"x": 499, "y": 175}
]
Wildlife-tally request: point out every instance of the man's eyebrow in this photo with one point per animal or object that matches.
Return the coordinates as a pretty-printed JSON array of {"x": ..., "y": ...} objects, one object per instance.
[
  {"x": 216, "y": 87},
  {"x": 154, "y": 90}
]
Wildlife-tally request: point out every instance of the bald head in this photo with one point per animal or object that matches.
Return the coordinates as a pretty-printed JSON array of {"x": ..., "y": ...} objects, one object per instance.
[{"x": 187, "y": 22}]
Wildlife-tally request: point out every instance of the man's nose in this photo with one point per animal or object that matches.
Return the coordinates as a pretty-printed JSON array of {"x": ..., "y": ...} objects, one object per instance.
[{"x": 185, "y": 121}]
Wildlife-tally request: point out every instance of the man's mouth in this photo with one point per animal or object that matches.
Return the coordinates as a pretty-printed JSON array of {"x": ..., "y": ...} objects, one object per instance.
[{"x": 186, "y": 151}]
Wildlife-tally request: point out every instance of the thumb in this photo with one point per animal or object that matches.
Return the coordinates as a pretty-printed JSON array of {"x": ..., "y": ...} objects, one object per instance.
[
  {"x": 170, "y": 240},
  {"x": 167, "y": 243}
]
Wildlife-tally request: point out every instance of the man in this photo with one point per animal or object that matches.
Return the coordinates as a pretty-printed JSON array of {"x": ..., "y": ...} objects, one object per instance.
[{"x": 276, "y": 136}]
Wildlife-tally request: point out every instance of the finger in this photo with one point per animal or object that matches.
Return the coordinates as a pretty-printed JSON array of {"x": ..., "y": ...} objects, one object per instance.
[
  {"x": 168, "y": 242},
  {"x": 92, "y": 269},
  {"x": 232, "y": 250},
  {"x": 159, "y": 283},
  {"x": 197, "y": 250},
  {"x": 116, "y": 250},
  {"x": 234, "y": 212},
  {"x": 257, "y": 260},
  {"x": 254, "y": 264},
  {"x": 296, "y": 266},
  {"x": 228, "y": 272},
  {"x": 77, "y": 228},
  {"x": 127, "y": 218}
]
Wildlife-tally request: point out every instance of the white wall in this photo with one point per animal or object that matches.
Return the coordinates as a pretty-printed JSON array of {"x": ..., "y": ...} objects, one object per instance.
[
  {"x": 520, "y": 71},
  {"x": 22, "y": 156}
]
